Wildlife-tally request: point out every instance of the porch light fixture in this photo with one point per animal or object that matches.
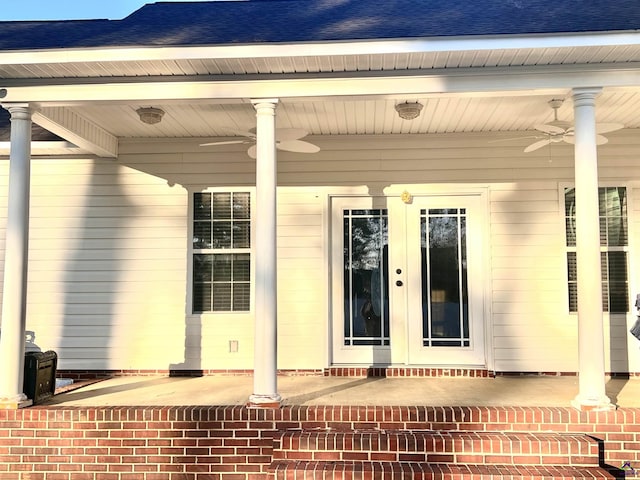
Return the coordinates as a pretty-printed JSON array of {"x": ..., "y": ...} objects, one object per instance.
[
  {"x": 150, "y": 115},
  {"x": 409, "y": 111}
]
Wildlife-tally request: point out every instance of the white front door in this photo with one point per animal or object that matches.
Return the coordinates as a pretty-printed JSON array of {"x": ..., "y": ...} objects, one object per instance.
[{"x": 408, "y": 280}]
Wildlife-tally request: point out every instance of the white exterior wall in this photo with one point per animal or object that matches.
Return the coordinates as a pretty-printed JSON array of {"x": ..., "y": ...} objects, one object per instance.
[
  {"x": 106, "y": 264},
  {"x": 532, "y": 330},
  {"x": 109, "y": 248}
]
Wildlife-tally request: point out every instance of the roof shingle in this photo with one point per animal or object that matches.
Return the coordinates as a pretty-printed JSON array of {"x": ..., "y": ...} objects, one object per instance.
[{"x": 301, "y": 21}]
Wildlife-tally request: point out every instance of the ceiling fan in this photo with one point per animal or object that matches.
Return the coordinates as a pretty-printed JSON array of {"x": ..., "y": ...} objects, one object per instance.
[
  {"x": 562, "y": 131},
  {"x": 287, "y": 139}
]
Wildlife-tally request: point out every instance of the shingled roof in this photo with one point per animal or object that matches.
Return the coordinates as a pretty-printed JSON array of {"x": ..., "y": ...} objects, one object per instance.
[{"x": 288, "y": 21}]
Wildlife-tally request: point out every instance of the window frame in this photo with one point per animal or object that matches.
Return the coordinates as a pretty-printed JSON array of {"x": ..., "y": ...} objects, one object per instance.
[
  {"x": 191, "y": 251},
  {"x": 562, "y": 187}
]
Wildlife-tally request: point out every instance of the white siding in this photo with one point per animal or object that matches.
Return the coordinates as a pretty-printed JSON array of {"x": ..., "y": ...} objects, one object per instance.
[
  {"x": 108, "y": 260},
  {"x": 106, "y": 265},
  {"x": 531, "y": 329}
]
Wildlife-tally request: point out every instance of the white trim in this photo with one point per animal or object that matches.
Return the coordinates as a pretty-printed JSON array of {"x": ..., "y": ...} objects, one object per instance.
[
  {"x": 487, "y": 275},
  {"x": 464, "y": 81},
  {"x": 632, "y": 242},
  {"x": 562, "y": 186},
  {"x": 308, "y": 49},
  {"x": 327, "y": 271}
]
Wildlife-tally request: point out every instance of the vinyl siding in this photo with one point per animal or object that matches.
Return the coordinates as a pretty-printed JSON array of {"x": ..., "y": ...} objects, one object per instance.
[
  {"x": 108, "y": 276},
  {"x": 106, "y": 265}
]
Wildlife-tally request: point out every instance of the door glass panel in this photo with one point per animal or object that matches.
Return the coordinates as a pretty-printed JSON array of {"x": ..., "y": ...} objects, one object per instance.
[
  {"x": 445, "y": 309},
  {"x": 366, "y": 293}
]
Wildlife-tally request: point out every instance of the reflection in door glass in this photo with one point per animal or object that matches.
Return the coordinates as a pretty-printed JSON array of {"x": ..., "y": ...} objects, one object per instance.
[
  {"x": 445, "y": 306},
  {"x": 366, "y": 296}
]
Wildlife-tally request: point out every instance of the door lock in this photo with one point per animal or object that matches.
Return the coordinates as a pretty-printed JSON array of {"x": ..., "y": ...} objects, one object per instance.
[{"x": 399, "y": 283}]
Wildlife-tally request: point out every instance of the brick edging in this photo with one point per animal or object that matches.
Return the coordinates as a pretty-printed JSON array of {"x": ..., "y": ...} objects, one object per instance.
[{"x": 211, "y": 442}]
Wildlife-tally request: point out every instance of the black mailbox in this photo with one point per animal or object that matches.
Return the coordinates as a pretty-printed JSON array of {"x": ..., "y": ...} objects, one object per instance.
[{"x": 40, "y": 375}]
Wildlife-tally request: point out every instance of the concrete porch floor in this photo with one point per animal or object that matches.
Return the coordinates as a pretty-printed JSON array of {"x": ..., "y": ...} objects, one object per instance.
[{"x": 316, "y": 390}]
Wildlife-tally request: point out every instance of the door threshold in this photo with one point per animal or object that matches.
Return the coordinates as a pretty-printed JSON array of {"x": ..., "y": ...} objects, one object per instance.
[{"x": 406, "y": 371}]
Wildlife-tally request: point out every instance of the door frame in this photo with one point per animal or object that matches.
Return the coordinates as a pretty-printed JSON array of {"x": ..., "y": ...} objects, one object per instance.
[{"x": 398, "y": 354}]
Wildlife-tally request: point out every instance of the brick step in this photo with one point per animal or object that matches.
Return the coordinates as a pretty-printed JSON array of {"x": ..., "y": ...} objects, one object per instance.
[
  {"x": 331, "y": 470},
  {"x": 442, "y": 447}
]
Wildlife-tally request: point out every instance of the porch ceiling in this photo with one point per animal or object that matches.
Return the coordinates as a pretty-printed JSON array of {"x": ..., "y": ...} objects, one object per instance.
[
  {"x": 445, "y": 111},
  {"x": 362, "y": 116},
  {"x": 514, "y": 116}
]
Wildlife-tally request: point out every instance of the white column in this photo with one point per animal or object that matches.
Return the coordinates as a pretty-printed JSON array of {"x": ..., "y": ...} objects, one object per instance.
[
  {"x": 590, "y": 326},
  {"x": 12, "y": 334},
  {"x": 265, "y": 390}
]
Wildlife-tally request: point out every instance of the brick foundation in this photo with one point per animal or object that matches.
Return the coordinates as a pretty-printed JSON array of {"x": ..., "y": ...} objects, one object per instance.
[{"x": 215, "y": 443}]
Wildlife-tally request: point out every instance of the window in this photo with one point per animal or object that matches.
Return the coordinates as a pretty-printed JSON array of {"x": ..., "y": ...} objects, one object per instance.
[
  {"x": 221, "y": 252},
  {"x": 613, "y": 248}
]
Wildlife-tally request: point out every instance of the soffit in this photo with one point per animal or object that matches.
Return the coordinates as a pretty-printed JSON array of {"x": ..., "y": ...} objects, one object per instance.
[{"x": 335, "y": 64}]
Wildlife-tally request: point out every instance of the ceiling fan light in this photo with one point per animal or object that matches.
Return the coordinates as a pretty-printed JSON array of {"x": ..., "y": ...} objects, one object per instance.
[
  {"x": 409, "y": 111},
  {"x": 556, "y": 103}
]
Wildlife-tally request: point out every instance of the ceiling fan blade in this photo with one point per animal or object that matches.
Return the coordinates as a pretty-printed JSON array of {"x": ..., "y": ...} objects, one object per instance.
[
  {"x": 228, "y": 142},
  {"x": 550, "y": 129},
  {"x": 537, "y": 145},
  {"x": 287, "y": 134},
  {"x": 600, "y": 139},
  {"x": 298, "y": 146},
  {"x": 501, "y": 140},
  {"x": 608, "y": 127},
  {"x": 242, "y": 133}
]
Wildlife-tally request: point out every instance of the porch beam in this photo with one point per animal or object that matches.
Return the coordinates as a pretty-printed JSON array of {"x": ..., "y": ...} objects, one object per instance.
[
  {"x": 14, "y": 295},
  {"x": 265, "y": 389},
  {"x": 591, "y": 372},
  {"x": 67, "y": 124},
  {"x": 463, "y": 81}
]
